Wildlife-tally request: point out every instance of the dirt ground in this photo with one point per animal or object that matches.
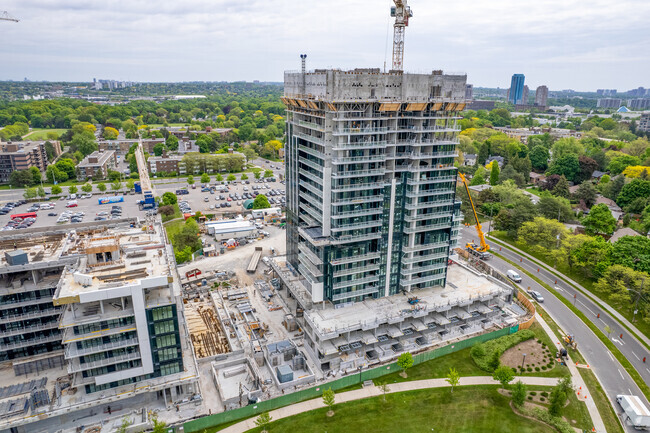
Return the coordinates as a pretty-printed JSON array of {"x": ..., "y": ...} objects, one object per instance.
[{"x": 536, "y": 355}]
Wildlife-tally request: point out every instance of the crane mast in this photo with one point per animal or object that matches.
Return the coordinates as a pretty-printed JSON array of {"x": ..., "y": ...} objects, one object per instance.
[
  {"x": 482, "y": 250},
  {"x": 402, "y": 12},
  {"x": 4, "y": 16}
]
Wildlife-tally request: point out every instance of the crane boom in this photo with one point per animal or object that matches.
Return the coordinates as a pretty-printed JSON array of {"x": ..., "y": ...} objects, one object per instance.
[
  {"x": 402, "y": 12},
  {"x": 484, "y": 247},
  {"x": 4, "y": 16}
]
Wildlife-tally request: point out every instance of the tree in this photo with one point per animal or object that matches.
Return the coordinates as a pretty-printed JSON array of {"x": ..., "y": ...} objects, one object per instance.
[
  {"x": 633, "y": 252},
  {"x": 539, "y": 157},
  {"x": 453, "y": 378},
  {"x": 101, "y": 186},
  {"x": 562, "y": 188},
  {"x": 405, "y": 361},
  {"x": 567, "y": 146},
  {"x": 116, "y": 186},
  {"x": 504, "y": 375},
  {"x": 84, "y": 142},
  {"x": 257, "y": 175},
  {"x": 205, "y": 178},
  {"x": 30, "y": 193},
  {"x": 37, "y": 177},
  {"x": 542, "y": 232},
  {"x": 511, "y": 218},
  {"x": 552, "y": 207},
  {"x": 494, "y": 173},
  {"x": 519, "y": 393},
  {"x": 190, "y": 180},
  {"x": 556, "y": 400},
  {"x": 158, "y": 426},
  {"x": 483, "y": 154},
  {"x": 110, "y": 133},
  {"x": 158, "y": 149},
  {"x": 21, "y": 178},
  {"x": 87, "y": 187},
  {"x": 635, "y": 189},
  {"x": 231, "y": 178},
  {"x": 495, "y": 361},
  {"x": 613, "y": 189},
  {"x": 56, "y": 190},
  {"x": 587, "y": 166},
  {"x": 477, "y": 179},
  {"x": 329, "y": 400},
  {"x": 593, "y": 257},
  {"x": 72, "y": 189},
  {"x": 263, "y": 421},
  {"x": 169, "y": 198},
  {"x": 249, "y": 153},
  {"x": 587, "y": 193},
  {"x": 261, "y": 202},
  {"x": 219, "y": 178},
  {"x": 599, "y": 221},
  {"x": 40, "y": 191},
  {"x": 244, "y": 176},
  {"x": 567, "y": 165},
  {"x": 268, "y": 173},
  {"x": 130, "y": 184},
  {"x": 619, "y": 163},
  {"x": 126, "y": 422},
  {"x": 384, "y": 389},
  {"x": 172, "y": 142}
]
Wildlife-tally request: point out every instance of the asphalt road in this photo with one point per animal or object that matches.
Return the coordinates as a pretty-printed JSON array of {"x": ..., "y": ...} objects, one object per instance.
[{"x": 613, "y": 377}]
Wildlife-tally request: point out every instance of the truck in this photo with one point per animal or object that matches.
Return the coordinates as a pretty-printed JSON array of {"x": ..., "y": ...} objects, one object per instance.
[
  {"x": 252, "y": 265},
  {"x": 149, "y": 202},
  {"x": 137, "y": 187},
  {"x": 635, "y": 411},
  {"x": 111, "y": 199}
]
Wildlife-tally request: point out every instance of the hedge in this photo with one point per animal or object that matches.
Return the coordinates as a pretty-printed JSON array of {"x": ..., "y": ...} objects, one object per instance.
[{"x": 483, "y": 353}]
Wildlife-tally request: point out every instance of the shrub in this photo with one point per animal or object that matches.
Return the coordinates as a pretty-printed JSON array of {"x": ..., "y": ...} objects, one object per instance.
[
  {"x": 541, "y": 414},
  {"x": 529, "y": 369},
  {"x": 544, "y": 394},
  {"x": 542, "y": 399},
  {"x": 498, "y": 345},
  {"x": 533, "y": 393},
  {"x": 543, "y": 367},
  {"x": 530, "y": 398}
]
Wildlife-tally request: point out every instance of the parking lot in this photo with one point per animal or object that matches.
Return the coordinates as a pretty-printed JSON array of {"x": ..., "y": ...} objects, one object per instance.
[
  {"x": 197, "y": 198},
  {"x": 89, "y": 206}
]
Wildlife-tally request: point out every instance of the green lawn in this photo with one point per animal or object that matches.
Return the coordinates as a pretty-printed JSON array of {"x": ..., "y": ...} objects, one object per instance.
[
  {"x": 534, "y": 190},
  {"x": 173, "y": 228},
  {"x": 626, "y": 309},
  {"x": 468, "y": 410},
  {"x": 41, "y": 133}
]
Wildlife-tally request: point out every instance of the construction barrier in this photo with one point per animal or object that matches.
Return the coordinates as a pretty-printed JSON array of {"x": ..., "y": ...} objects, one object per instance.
[
  {"x": 530, "y": 307},
  {"x": 198, "y": 425}
]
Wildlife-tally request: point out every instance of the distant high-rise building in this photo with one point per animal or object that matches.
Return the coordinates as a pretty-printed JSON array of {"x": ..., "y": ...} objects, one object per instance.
[
  {"x": 469, "y": 92},
  {"x": 609, "y": 103},
  {"x": 524, "y": 96},
  {"x": 606, "y": 92},
  {"x": 516, "y": 92},
  {"x": 639, "y": 104},
  {"x": 541, "y": 96},
  {"x": 644, "y": 123}
]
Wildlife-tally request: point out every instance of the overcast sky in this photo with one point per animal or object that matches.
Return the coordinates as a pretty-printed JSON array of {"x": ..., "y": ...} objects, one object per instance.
[{"x": 561, "y": 43}]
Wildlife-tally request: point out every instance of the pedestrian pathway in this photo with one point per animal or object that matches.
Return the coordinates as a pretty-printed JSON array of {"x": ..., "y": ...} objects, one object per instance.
[
  {"x": 374, "y": 391},
  {"x": 578, "y": 383},
  {"x": 586, "y": 292}
]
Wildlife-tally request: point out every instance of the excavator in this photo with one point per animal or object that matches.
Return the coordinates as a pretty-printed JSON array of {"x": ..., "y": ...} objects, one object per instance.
[{"x": 480, "y": 251}]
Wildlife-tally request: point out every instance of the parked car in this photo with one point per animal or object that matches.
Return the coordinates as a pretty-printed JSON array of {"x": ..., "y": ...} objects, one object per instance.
[
  {"x": 51, "y": 214},
  {"x": 537, "y": 296}
]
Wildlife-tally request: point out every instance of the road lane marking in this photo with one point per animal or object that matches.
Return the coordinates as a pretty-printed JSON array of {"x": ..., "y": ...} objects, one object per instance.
[
  {"x": 559, "y": 289},
  {"x": 587, "y": 308},
  {"x": 610, "y": 355},
  {"x": 617, "y": 341},
  {"x": 602, "y": 320},
  {"x": 629, "y": 390},
  {"x": 636, "y": 356},
  {"x": 619, "y": 372}
]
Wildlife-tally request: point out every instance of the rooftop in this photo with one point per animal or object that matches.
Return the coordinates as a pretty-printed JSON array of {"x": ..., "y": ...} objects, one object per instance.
[
  {"x": 101, "y": 157},
  {"x": 462, "y": 285}
]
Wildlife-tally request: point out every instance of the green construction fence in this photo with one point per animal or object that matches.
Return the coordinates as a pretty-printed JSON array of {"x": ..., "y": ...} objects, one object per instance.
[{"x": 210, "y": 421}]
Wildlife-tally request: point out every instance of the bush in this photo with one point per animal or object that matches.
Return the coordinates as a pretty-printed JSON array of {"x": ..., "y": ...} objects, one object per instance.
[
  {"x": 533, "y": 393},
  {"x": 561, "y": 425},
  {"x": 536, "y": 368},
  {"x": 543, "y": 367},
  {"x": 530, "y": 398},
  {"x": 498, "y": 345},
  {"x": 544, "y": 394},
  {"x": 529, "y": 369},
  {"x": 542, "y": 399}
]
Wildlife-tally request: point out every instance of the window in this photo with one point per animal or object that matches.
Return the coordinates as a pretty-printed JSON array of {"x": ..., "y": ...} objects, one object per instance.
[
  {"x": 162, "y": 313},
  {"x": 163, "y": 327},
  {"x": 166, "y": 341}
]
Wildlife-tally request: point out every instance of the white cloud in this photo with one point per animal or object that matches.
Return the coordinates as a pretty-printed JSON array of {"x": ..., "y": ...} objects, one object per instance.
[{"x": 562, "y": 43}]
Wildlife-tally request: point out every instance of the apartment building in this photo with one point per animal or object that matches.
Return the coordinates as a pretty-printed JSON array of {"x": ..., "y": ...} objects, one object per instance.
[
  {"x": 644, "y": 123},
  {"x": 166, "y": 164},
  {"x": 120, "y": 147},
  {"x": 96, "y": 165},
  {"x": 371, "y": 207},
  {"x": 23, "y": 155},
  {"x": 609, "y": 103},
  {"x": 111, "y": 296},
  {"x": 541, "y": 96},
  {"x": 149, "y": 143}
]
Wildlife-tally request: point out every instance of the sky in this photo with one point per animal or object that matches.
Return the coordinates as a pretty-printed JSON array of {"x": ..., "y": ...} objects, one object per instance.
[{"x": 564, "y": 44}]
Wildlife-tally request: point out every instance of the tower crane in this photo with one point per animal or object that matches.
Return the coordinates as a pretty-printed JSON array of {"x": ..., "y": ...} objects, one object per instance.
[
  {"x": 402, "y": 12},
  {"x": 4, "y": 16},
  {"x": 480, "y": 251}
]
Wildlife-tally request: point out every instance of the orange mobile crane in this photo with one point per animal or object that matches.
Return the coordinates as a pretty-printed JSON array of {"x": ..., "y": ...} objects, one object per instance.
[{"x": 479, "y": 251}]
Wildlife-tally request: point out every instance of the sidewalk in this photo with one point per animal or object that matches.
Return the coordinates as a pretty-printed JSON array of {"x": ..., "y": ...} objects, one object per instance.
[
  {"x": 578, "y": 383},
  {"x": 636, "y": 333},
  {"x": 374, "y": 391}
]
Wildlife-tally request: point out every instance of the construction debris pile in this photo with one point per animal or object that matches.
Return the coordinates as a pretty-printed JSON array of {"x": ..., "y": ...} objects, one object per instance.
[{"x": 206, "y": 333}]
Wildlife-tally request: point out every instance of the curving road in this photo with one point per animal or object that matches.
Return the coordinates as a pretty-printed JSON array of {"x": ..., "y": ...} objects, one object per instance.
[{"x": 612, "y": 376}]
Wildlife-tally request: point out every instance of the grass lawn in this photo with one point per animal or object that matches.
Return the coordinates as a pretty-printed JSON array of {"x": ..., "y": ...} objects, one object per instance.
[
  {"x": 41, "y": 133},
  {"x": 534, "y": 190},
  {"x": 626, "y": 309},
  {"x": 177, "y": 214},
  {"x": 468, "y": 409},
  {"x": 173, "y": 228}
]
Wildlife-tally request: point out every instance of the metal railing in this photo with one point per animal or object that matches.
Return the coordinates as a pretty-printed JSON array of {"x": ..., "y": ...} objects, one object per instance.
[
  {"x": 309, "y": 138},
  {"x": 71, "y": 350},
  {"x": 417, "y": 259},
  {"x": 361, "y": 212},
  {"x": 30, "y": 328},
  {"x": 357, "y": 186},
  {"x": 365, "y": 130},
  {"x": 348, "y": 283},
  {"x": 420, "y": 181},
  {"x": 76, "y": 366},
  {"x": 356, "y": 270},
  {"x": 30, "y": 315},
  {"x": 355, "y": 173},
  {"x": 359, "y": 159},
  {"x": 360, "y": 145},
  {"x": 428, "y": 246},
  {"x": 355, "y": 293},
  {"x": 357, "y": 226},
  {"x": 418, "y": 229},
  {"x": 352, "y": 259}
]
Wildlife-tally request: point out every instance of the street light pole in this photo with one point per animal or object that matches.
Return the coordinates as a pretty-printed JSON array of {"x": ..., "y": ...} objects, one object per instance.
[{"x": 523, "y": 361}]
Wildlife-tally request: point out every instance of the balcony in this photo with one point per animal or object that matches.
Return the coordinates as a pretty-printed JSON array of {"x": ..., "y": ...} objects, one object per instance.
[
  {"x": 424, "y": 228},
  {"x": 428, "y": 192},
  {"x": 71, "y": 350},
  {"x": 309, "y": 266},
  {"x": 417, "y": 269},
  {"x": 417, "y": 259},
  {"x": 354, "y": 294},
  {"x": 310, "y": 176},
  {"x": 353, "y": 259},
  {"x": 363, "y": 130},
  {"x": 310, "y": 151},
  {"x": 357, "y": 186},
  {"x": 309, "y": 254},
  {"x": 355, "y": 282},
  {"x": 358, "y": 226},
  {"x": 431, "y": 204},
  {"x": 311, "y": 164},
  {"x": 426, "y": 216},
  {"x": 360, "y": 145},
  {"x": 30, "y": 315},
  {"x": 29, "y": 329},
  {"x": 311, "y": 188},
  {"x": 69, "y": 336},
  {"x": 31, "y": 342},
  {"x": 423, "y": 247},
  {"x": 430, "y": 180},
  {"x": 311, "y": 125},
  {"x": 410, "y": 282},
  {"x": 356, "y": 270},
  {"x": 310, "y": 138},
  {"x": 356, "y": 173},
  {"x": 359, "y": 159},
  {"x": 361, "y": 212},
  {"x": 75, "y": 366},
  {"x": 33, "y": 301},
  {"x": 355, "y": 238}
]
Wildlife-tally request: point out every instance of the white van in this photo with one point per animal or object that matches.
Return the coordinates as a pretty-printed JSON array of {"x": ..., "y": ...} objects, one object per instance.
[{"x": 514, "y": 276}]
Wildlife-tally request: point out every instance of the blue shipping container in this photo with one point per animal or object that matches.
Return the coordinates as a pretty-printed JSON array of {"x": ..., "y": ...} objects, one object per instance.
[{"x": 113, "y": 199}]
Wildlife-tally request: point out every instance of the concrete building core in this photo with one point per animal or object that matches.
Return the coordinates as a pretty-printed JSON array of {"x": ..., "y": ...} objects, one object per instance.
[{"x": 371, "y": 206}]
